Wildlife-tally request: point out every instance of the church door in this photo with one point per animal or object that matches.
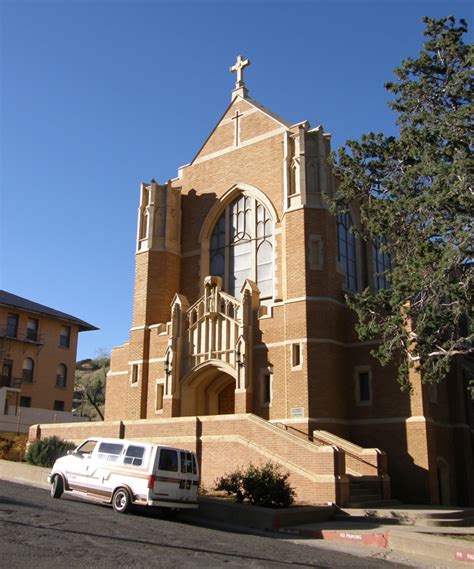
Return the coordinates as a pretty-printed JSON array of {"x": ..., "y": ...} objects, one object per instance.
[{"x": 227, "y": 400}]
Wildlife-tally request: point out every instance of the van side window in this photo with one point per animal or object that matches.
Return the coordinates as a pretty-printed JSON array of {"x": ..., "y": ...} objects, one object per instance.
[
  {"x": 186, "y": 462},
  {"x": 168, "y": 460},
  {"x": 109, "y": 451},
  {"x": 134, "y": 455}
]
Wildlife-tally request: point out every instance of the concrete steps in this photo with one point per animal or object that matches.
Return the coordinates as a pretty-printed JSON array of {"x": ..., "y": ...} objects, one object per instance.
[{"x": 365, "y": 493}]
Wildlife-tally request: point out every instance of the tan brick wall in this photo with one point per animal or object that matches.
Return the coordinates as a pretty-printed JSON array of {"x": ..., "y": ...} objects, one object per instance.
[
  {"x": 157, "y": 275},
  {"x": 324, "y": 385},
  {"x": 312, "y": 468}
]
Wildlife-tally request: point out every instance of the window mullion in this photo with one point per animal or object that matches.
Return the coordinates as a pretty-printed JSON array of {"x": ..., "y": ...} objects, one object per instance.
[
  {"x": 225, "y": 283},
  {"x": 253, "y": 237}
]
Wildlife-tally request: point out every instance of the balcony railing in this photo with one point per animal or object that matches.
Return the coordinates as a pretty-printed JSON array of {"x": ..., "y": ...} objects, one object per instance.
[
  {"x": 22, "y": 335},
  {"x": 13, "y": 382}
]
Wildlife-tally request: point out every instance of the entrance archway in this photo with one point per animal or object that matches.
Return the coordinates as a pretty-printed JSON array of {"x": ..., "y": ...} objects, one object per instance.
[
  {"x": 226, "y": 400},
  {"x": 208, "y": 389}
]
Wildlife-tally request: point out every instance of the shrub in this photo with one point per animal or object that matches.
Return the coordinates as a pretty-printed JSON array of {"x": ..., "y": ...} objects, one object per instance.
[
  {"x": 262, "y": 486},
  {"x": 12, "y": 447},
  {"x": 45, "y": 452},
  {"x": 6, "y": 446},
  {"x": 233, "y": 484}
]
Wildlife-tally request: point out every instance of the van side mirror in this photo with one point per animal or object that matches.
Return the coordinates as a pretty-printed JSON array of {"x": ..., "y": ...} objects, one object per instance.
[{"x": 69, "y": 452}]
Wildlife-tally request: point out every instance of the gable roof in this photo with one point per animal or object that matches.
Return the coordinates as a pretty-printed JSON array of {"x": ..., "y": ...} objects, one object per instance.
[
  {"x": 20, "y": 303},
  {"x": 281, "y": 122}
]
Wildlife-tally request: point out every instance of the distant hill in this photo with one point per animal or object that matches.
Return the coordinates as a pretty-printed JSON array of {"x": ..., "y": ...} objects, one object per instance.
[{"x": 89, "y": 387}]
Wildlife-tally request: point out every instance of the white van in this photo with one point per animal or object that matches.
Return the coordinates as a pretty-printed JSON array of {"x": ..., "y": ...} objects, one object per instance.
[{"x": 124, "y": 472}]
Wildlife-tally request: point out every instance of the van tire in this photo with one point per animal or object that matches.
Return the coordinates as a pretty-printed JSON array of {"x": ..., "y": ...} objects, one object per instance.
[
  {"x": 121, "y": 501},
  {"x": 57, "y": 486}
]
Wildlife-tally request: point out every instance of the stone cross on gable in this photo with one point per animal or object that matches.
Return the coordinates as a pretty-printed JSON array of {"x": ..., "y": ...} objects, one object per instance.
[
  {"x": 239, "y": 69},
  {"x": 236, "y": 119}
]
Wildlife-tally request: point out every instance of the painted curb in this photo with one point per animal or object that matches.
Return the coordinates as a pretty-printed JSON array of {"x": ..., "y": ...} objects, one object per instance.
[{"x": 429, "y": 546}]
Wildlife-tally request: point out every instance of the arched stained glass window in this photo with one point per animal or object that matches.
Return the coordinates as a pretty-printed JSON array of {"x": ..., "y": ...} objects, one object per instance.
[
  {"x": 382, "y": 263},
  {"x": 346, "y": 249},
  {"x": 242, "y": 246}
]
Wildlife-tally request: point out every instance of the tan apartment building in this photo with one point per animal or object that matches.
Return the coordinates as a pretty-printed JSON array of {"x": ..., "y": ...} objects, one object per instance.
[
  {"x": 242, "y": 346},
  {"x": 38, "y": 347}
]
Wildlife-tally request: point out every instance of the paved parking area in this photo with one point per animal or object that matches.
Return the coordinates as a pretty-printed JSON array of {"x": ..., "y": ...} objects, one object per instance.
[{"x": 37, "y": 531}]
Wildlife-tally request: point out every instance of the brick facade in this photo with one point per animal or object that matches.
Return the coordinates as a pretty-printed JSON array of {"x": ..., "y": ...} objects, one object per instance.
[{"x": 298, "y": 357}]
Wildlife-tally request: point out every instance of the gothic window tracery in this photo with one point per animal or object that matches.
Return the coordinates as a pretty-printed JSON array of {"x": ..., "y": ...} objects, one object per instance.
[
  {"x": 382, "y": 263},
  {"x": 242, "y": 246},
  {"x": 346, "y": 249}
]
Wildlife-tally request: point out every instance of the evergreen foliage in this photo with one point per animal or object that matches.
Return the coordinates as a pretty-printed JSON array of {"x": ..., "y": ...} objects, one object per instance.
[
  {"x": 45, "y": 452},
  {"x": 263, "y": 486},
  {"x": 415, "y": 191}
]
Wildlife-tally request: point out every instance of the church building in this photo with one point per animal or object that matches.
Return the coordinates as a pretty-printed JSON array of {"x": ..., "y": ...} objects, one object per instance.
[{"x": 242, "y": 346}]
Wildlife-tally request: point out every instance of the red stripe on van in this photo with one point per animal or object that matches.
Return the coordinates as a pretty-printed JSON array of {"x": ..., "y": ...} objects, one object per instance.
[{"x": 151, "y": 481}]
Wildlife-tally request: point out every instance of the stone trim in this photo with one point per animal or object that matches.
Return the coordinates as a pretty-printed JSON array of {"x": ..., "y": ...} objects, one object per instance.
[
  {"x": 316, "y": 341},
  {"x": 243, "y": 144}
]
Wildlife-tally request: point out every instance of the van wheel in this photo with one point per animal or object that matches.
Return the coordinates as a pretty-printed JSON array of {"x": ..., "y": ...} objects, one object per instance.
[
  {"x": 121, "y": 501},
  {"x": 57, "y": 486}
]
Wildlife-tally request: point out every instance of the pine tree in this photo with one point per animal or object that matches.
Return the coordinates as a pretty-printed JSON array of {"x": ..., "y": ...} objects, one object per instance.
[{"x": 414, "y": 192}]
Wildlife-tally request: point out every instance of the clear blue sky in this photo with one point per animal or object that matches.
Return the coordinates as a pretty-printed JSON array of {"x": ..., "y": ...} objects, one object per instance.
[{"x": 99, "y": 96}]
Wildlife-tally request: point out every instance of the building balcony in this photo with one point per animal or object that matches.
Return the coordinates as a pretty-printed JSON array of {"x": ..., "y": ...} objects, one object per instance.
[
  {"x": 11, "y": 382},
  {"x": 22, "y": 335}
]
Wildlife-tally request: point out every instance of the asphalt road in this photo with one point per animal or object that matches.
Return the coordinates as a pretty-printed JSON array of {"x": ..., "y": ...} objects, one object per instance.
[{"x": 39, "y": 532}]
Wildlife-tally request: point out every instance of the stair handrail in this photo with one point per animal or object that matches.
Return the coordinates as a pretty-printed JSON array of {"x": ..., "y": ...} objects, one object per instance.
[{"x": 322, "y": 440}]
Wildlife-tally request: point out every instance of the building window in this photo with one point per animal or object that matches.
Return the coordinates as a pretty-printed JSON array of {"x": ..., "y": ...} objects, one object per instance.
[
  {"x": 58, "y": 405},
  {"x": 61, "y": 376},
  {"x": 7, "y": 372},
  {"x": 32, "y": 329},
  {"x": 160, "y": 390},
  {"x": 363, "y": 386},
  {"x": 295, "y": 355},
  {"x": 12, "y": 325},
  {"x": 25, "y": 401},
  {"x": 346, "y": 249},
  {"x": 315, "y": 252},
  {"x": 65, "y": 337},
  {"x": 266, "y": 387},
  {"x": 28, "y": 370},
  {"x": 242, "y": 246},
  {"x": 382, "y": 263},
  {"x": 134, "y": 377}
]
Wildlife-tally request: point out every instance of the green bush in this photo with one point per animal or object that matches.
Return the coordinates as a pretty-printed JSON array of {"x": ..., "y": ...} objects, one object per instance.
[
  {"x": 262, "y": 486},
  {"x": 45, "y": 452}
]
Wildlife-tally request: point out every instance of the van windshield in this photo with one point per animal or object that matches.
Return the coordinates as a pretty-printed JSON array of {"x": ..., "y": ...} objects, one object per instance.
[{"x": 86, "y": 448}]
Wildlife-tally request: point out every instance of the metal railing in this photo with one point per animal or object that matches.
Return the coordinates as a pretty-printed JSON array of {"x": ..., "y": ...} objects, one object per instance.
[
  {"x": 13, "y": 382},
  {"x": 353, "y": 455},
  {"x": 22, "y": 335}
]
